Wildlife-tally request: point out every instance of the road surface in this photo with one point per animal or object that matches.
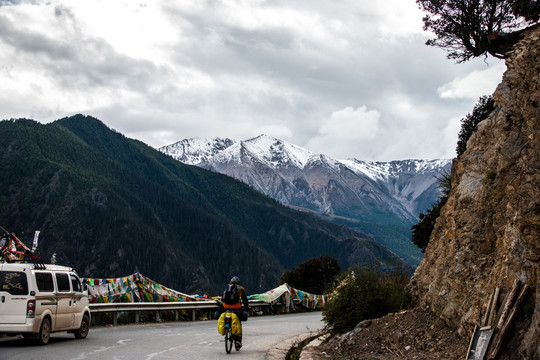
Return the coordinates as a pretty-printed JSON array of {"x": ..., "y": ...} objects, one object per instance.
[{"x": 176, "y": 340}]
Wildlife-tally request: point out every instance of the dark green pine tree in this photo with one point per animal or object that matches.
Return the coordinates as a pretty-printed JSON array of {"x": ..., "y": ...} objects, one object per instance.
[
  {"x": 315, "y": 275},
  {"x": 421, "y": 232},
  {"x": 469, "y": 124}
]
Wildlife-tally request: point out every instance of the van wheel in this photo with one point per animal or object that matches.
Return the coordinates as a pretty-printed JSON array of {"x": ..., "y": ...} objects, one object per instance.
[
  {"x": 84, "y": 329},
  {"x": 44, "y": 332}
]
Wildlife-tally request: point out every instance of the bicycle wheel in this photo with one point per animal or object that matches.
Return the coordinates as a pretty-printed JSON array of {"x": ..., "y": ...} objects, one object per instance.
[{"x": 228, "y": 340}]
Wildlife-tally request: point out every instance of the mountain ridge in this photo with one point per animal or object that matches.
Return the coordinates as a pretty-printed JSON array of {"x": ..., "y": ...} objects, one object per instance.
[
  {"x": 376, "y": 194},
  {"x": 276, "y": 154},
  {"x": 113, "y": 206}
]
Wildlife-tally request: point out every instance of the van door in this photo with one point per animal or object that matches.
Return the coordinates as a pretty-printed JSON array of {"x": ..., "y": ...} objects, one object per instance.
[
  {"x": 46, "y": 297},
  {"x": 13, "y": 296},
  {"x": 80, "y": 299},
  {"x": 64, "y": 315}
]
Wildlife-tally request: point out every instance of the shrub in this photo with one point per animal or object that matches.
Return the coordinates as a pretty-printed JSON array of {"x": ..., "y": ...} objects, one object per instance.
[
  {"x": 489, "y": 177},
  {"x": 365, "y": 293}
]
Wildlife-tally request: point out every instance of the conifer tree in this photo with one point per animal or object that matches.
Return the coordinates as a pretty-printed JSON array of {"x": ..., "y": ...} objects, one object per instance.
[{"x": 469, "y": 124}]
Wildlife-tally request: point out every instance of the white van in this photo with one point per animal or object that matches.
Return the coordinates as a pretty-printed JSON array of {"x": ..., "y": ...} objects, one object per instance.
[{"x": 37, "y": 299}]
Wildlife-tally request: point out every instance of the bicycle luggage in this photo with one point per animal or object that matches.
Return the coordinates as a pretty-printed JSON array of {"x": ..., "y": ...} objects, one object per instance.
[{"x": 236, "y": 327}]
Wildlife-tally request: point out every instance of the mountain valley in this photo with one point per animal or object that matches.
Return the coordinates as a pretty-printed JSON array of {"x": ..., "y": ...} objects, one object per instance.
[{"x": 382, "y": 199}]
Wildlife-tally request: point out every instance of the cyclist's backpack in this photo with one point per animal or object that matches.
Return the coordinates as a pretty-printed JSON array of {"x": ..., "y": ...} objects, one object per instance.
[{"x": 230, "y": 295}]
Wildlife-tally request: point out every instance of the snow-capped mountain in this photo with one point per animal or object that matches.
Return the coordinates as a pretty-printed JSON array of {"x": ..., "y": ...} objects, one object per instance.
[
  {"x": 383, "y": 192},
  {"x": 381, "y": 199}
]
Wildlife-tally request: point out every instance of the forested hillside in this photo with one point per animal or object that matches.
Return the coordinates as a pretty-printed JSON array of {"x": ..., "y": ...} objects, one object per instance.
[{"x": 112, "y": 206}]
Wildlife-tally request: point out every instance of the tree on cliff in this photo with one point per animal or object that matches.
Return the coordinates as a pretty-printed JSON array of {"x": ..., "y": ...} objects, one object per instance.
[
  {"x": 421, "y": 231},
  {"x": 469, "y": 124},
  {"x": 467, "y": 29}
]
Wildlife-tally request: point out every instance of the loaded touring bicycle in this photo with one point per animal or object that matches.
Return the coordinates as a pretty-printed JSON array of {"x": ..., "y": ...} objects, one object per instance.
[{"x": 38, "y": 299}]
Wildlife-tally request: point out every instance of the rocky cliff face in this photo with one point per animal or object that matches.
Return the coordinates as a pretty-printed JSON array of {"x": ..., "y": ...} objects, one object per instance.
[{"x": 488, "y": 233}]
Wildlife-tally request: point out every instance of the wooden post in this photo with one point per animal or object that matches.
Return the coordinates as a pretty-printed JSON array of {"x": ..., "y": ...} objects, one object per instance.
[
  {"x": 504, "y": 327},
  {"x": 494, "y": 306},
  {"x": 489, "y": 308},
  {"x": 508, "y": 304},
  {"x": 471, "y": 342}
]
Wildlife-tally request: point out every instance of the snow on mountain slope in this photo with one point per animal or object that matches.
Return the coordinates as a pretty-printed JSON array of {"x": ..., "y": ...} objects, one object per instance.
[
  {"x": 375, "y": 171},
  {"x": 395, "y": 192},
  {"x": 278, "y": 153},
  {"x": 385, "y": 170},
  {"x": 197, "y": 151},
  {"x": 269, "y": 150}
]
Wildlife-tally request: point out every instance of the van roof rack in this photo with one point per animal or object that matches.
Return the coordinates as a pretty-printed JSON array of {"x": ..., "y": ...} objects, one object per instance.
[
  {"x": 9, "y": 250},
  {"x": 39, "y": 265}
]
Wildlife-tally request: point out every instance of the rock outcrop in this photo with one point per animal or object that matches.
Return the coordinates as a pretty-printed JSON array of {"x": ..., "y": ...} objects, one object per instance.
[{"x": 488, "y": 233}]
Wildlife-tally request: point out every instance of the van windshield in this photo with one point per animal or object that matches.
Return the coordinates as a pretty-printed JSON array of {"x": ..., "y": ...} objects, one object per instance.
[{"x": 14, "y": 282}]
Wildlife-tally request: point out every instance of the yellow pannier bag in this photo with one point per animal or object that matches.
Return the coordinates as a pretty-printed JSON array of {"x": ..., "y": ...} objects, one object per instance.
[
  {"x": 221, "y": 324},
  {"x": 236, "y": 326}
]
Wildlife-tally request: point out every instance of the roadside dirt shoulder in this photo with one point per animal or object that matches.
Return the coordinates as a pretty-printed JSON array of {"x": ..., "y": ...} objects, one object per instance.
[{"x": 415, "y": 334}]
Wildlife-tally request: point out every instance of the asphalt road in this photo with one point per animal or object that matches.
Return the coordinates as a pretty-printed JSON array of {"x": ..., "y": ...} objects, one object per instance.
[{"x": 177, "y": 340}]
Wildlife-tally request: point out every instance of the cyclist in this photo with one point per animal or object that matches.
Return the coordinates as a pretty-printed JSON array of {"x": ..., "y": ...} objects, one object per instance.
[{"x": 238, "y": 307}]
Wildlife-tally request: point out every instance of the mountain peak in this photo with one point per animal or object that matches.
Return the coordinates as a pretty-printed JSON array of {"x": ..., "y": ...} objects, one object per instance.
[
  {"x": 277, "y": 153},
  {"x": 195, "y": 151},
  {"x": 267, "y": 149},
  {"x": 286, "y": 171}
]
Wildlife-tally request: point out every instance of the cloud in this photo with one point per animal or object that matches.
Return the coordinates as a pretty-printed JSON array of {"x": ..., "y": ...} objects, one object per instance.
[
  {"x": 450, "y": 137},
  {"x": 162, "y": 71},
  {"x": 344, "y": 130},
  {"x": 474, "y": 84}
]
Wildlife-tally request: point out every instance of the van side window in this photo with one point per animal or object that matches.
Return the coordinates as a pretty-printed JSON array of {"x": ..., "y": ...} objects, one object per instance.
[
  {"x": 75, "y": 283},
  {"x": 14, "y": 282},
  {"x": 44, "y": 281},
  {"x": 63, "y": 282}
]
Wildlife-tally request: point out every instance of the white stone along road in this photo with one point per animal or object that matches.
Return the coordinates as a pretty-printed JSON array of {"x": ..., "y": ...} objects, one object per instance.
[{"x": 176, "y": 340}]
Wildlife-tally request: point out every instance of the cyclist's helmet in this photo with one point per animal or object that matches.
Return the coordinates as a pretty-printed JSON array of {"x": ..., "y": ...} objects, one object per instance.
[{"x": 235, "y": 280}]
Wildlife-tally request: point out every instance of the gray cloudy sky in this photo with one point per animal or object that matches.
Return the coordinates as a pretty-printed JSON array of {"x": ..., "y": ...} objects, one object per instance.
[{"x": 348, "y": 78}]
